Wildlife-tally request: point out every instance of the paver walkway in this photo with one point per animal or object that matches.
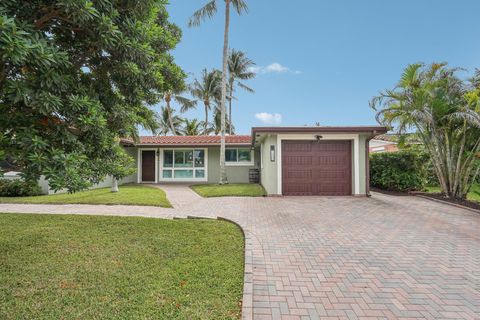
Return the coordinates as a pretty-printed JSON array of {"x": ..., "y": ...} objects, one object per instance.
[{"x": 383, "y": 257}]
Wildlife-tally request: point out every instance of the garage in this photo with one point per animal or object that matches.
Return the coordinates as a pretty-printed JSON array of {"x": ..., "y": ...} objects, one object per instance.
[{"x": 317, "y": 167}]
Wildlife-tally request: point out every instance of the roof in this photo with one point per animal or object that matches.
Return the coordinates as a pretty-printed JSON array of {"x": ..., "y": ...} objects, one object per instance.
[
  {"x": 191, "y": 140},
  {"x": 391, "y": 137}
]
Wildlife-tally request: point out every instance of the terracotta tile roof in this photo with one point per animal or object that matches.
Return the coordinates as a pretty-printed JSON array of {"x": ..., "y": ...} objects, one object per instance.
[{"x": 192, "y": 140}]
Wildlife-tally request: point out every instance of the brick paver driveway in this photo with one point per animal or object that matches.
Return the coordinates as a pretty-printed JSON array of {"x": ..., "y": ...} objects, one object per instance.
[{"x": 341, "y": 258}]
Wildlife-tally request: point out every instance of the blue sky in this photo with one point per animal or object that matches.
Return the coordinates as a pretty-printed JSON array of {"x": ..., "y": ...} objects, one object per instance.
[{"x": 327, "y": 58}]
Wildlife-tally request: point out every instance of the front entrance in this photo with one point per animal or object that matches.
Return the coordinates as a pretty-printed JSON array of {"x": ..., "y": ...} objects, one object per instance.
[
  {"x": 148, "y": 166},
  {"x": 317, "y": 168}
]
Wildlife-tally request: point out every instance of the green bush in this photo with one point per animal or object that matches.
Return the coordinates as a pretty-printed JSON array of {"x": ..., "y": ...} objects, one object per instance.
[
  {"x": 18, "y": 188},
  {"x": 399, "y": 171}
]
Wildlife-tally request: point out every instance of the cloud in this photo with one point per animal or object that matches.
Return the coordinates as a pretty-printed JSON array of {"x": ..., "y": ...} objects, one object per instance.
[
  {"x": 269, "y": 118},
  {"x": 273, "y": 68}
]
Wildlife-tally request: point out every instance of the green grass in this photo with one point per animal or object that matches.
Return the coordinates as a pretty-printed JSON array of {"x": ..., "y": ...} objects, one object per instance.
[
  {"x": 89, "y": 267},
  {"x": 128, "y": 195},
  {"x": 229, "y": 190},
  {"x": 473, "y": 195}
]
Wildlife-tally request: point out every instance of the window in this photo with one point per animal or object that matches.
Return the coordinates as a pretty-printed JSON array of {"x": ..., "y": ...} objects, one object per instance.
[
  {"x": 239, "y": 156},
  {"x": 184, "y": 164}
]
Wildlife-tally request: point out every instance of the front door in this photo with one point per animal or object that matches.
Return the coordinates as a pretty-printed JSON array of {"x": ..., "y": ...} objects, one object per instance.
[{"x": 148, "y": 166}]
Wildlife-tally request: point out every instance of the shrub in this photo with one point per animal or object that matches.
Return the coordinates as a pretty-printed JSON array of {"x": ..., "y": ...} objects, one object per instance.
[
  {"x": 399, "y": 171},
  {"x": 18, "y": 188}
]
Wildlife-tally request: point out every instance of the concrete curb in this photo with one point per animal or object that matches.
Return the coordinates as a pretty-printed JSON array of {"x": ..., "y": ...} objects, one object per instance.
[{"x": 446, "y": 202}]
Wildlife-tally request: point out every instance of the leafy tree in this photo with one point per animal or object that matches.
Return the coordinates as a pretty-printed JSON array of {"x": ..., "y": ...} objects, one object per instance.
[
  {"x": 192, "y": 127},
  {"x": 239, "y": 68},
  {"x": 77, "y": 75},
  {"x": 208, "y": 11},
  {"x": 207, "y": 89},
  {"x": 445, "y": 111},
  {"x": 216, "y": 125},
  {"x": 169, "y": 122}
]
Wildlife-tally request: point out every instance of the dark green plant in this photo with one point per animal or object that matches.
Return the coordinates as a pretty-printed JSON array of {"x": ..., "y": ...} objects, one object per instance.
[
  {"x": 75, "y": 76},
  {"x": 399, "y": 171},
  {"x": 18, "y": 188}
]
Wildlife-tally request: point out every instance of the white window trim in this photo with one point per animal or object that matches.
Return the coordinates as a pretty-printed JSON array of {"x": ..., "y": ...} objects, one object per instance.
[
  {"x": 139, "y": 165},
  {"x": 172, "y": 179},
  {"x": 356, "y": 155},
  {"x": 241, "y": 163}
]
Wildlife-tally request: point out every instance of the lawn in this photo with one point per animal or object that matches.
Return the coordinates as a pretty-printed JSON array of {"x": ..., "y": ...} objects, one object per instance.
[
  {"x": 93, "y": 267},
  {"x": 229, "y": 190},
  {"x": 128, "y": 195},
  {"x": 474, "y": 193}
]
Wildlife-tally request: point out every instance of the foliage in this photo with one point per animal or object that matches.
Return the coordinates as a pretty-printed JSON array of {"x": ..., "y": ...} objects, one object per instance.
[
  {"x": 92, "y": 267},
  {"x": 473, "y": 193},
  {"x": 216, "y": 125},
  {"x": 239, "y": 68},
  {"x": 18, "y": 188},
  {"x": 169, "y": 122},
  {"x": 398, "y": 171},
  {"x": 207, "y": 90},
  {"x": 192, "y": 127},
  {"x": 77, "y": 75},
  {"x": 185, "y": 104},
  {"x": 139, "y": 195},
  {"x": 445, "y": 111},
  {"x": 229, "y": 190}
]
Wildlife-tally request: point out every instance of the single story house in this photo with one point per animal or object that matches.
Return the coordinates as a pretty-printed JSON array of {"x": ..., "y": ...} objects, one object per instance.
[{"x": 290, "y": 160}]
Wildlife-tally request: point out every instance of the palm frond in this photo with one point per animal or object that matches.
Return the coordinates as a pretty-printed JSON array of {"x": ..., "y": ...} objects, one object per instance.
[
  {"x": 207, "y": 11},
  {"x": 245, "y": 87},
  {"x": 240, "y": 6}
]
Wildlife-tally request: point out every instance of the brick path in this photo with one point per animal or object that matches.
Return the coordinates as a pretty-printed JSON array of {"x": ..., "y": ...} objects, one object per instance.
[{"x": 339, "y": 258}]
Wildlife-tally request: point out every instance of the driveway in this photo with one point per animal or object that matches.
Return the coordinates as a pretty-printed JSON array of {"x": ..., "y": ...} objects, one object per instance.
[{"x": 382, "y": 257}]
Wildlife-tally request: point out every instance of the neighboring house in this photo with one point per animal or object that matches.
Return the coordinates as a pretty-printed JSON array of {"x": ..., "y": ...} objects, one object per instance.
[
  {"x": 291, "y": 160},
  {"x": 384, "y": 143}
]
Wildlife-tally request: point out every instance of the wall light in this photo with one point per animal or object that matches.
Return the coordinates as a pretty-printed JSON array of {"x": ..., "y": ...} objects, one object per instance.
[{"x": 272, "y": 153}]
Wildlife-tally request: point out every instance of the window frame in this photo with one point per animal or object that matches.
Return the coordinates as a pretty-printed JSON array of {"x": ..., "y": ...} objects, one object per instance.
[
  {"x": 241, "y": 163},
  {"x": 173, "y": 168}
]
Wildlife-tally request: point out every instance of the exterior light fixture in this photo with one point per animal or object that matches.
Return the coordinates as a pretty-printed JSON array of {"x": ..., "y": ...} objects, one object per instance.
[{"x": 272, "y": 153}]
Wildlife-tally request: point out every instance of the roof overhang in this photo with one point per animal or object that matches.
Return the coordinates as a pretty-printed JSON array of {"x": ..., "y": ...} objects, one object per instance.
[{"x": 371, "y": 130}]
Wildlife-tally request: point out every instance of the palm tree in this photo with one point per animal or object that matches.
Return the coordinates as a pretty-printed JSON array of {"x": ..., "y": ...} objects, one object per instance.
[
  {"x": 209, "y": 11},
  {"x": 185, "y": 104},
  {"x": 207, "y": 90},
  {"x": 239, "y": 68},
  {"x": 168, "y": 121},
  {"x": 216, "y": 125},
  {"x": 192, "y": 127},
  {"x": 445, "y": 111}
]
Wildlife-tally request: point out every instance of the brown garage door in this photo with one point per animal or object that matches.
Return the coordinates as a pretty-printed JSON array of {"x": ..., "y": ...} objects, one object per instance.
[
  {"x": 148, "y": 165},
  {"x": 316, "y": 167}
]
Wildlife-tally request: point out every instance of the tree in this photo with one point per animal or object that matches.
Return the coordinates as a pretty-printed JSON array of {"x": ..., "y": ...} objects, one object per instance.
[
  {"x": 185, "y": 104},
  {"x": 208, "y": 11},
  {"x": 216, "y": 125},
  {"x": 192, "y": 127},
  {"x": 445, "y": 111},
  {"x": 169, "y": 122},
  {"x": 77, "y": 75},
  {"x": 239, "y": 68},
  {"x": 207, "y": 90}
]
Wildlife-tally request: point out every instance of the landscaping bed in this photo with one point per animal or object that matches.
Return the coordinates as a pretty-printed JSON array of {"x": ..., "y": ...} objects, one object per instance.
[
  {"x": 141, "y": 195},
  {"x": 439, "y": 196},
  {"x": 229, "y": 190},
  {"x": 93, "y": 267}
]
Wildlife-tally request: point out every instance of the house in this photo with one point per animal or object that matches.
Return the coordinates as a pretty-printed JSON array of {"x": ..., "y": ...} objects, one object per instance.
[
  {"x": 384, "y": 143},
  {"x": 291, "y": 160}
]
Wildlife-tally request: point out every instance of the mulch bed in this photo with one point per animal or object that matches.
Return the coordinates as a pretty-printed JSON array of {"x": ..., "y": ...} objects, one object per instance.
[{"x": 466, "y": 203}]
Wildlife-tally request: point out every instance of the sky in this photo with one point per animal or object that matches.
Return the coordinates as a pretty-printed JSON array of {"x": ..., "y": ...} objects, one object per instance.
[{"x": 323, "y": 60}]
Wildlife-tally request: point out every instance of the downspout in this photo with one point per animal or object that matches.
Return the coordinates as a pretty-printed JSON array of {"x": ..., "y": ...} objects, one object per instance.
[{"x": 367, "y": 162}]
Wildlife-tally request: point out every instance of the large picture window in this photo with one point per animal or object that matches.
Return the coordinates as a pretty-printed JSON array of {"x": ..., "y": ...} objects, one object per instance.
[
  {"x": 186, "y": 164},
  {"x": 239, "y": 156}
]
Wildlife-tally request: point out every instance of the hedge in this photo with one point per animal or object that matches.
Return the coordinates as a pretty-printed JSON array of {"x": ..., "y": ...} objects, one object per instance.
[
  {"x": 399, "y": 171},
  {"x": 18, "y": 188}
]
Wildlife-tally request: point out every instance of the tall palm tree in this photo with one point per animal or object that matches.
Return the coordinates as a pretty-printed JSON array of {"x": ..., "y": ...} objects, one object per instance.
[
  {"x": 168, "y": 121},
  {"x": 192, "y": 127},
  {"x": 239, "y": 68},
  {"x": 207, "y": 89},
  {"x": 184, "y": 103},
  {"x": 209, "y": 11},
  {"x": 216, "y": 125}
]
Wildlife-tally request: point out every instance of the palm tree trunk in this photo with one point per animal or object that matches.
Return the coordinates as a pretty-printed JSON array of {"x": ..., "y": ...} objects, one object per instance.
[
  {"x": 205, "y": 126},
  {"x": 230, "y": 108},
  {"x": 223, "y": 172},
  {"x": 170, "y": 120}
]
